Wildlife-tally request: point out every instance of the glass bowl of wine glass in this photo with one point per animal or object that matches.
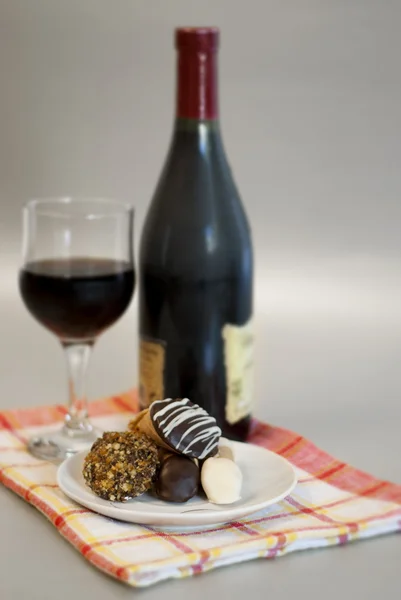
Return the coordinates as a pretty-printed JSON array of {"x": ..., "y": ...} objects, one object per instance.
[{"x": 77, "y": 279}]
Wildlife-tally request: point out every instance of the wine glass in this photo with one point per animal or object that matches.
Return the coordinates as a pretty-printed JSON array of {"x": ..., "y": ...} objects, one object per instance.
[{"x": 77, "y": 279}]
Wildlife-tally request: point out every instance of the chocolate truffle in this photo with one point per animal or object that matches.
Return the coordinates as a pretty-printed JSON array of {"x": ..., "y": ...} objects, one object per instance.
[
  {"x": 120, "y": 466},
  {"x": 178, "y": 479},
  {"x": 185, "y": 427}
]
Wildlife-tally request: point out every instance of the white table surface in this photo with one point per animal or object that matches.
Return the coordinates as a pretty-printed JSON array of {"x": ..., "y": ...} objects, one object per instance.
[{"x": 329, "y": 391}]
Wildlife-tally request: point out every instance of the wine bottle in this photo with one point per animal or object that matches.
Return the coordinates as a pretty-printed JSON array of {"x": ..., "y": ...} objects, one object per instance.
[{"x": 196, "y": 259}]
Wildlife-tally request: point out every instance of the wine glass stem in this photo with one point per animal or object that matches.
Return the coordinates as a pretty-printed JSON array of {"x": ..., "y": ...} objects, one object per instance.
[{"x": 77, "y": 355}]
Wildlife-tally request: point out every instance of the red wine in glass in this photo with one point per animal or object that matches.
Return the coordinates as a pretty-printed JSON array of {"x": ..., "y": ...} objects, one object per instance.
[
  {"x": 77, "y": 280},
  {"x": 78, "y": 298}
]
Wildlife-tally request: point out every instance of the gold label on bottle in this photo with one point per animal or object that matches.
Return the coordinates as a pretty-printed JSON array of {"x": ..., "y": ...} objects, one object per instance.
[
  {"x": 151, "y": 371},
  {"x": 238, "y": 359}
]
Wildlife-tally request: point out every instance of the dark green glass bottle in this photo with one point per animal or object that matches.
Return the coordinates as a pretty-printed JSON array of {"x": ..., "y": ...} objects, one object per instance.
[{"x": 196, "y": 259}]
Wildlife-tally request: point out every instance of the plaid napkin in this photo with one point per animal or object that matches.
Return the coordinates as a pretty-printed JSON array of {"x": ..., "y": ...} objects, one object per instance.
[{"x": 333, "y": 503}]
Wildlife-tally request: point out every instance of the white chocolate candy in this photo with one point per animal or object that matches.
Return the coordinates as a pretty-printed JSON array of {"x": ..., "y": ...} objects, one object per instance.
[
  {"x": 221, "y": 480},
  {"x": 226, "y": 449}
]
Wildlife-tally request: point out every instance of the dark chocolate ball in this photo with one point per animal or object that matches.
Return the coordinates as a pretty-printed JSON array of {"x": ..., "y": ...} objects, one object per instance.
[{"x": 178, "y": 479}]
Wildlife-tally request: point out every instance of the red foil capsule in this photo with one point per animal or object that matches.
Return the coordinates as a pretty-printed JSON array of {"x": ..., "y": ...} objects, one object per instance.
[{"x": 197, "y": 72}]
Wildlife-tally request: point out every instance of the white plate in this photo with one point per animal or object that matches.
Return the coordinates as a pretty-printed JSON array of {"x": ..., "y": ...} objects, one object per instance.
[{"x": 267, "y": 478}]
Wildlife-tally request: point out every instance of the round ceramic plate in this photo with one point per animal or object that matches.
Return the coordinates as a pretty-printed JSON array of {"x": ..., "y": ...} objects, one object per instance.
[{"x": 267, "y": 478}]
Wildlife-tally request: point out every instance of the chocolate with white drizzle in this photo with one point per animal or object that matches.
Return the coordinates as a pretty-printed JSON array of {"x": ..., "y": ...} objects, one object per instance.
[{"x": 186, "y": 427}]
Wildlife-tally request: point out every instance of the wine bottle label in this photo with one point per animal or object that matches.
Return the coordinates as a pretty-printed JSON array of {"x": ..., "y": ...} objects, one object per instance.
[
  {"x": 238, "y": 358},
  {"x": 151, "y": 371}
]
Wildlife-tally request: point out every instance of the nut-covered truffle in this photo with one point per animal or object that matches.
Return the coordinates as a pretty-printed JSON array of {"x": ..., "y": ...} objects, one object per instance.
[{"x": 121, "y": 465}]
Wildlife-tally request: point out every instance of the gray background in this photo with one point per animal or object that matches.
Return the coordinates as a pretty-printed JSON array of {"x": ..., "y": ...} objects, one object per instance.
[{"x": 310, "y": 102}]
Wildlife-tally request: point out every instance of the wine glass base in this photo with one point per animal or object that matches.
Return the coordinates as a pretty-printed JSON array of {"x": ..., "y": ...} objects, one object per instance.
[{"x": 58, "y": 445}]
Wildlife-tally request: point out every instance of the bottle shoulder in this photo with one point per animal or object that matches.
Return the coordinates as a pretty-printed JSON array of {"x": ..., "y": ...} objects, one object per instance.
[
  {"x": 194, "y": 249},
  {"x": 196, "y": 218}
]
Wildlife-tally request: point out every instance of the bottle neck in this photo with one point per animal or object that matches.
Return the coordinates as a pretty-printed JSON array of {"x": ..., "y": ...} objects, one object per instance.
[{"x": 197, "y": 97}]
